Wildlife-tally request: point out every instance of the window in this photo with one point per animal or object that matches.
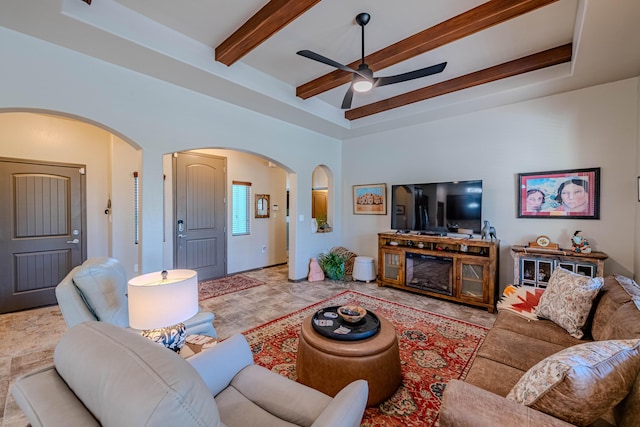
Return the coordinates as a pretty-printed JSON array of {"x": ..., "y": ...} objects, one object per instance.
[{"x": 240, "y": 208}]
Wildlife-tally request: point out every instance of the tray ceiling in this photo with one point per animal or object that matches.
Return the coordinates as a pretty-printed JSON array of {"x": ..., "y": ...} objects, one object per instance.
[{"x": 497, "y": 51}]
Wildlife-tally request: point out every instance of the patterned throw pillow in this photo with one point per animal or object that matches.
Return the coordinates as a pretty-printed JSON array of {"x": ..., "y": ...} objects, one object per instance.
[
  {"x": 521, "y": 300},
  {"x": 568, "y": 300},
  {"x": 580, "y": 383}
]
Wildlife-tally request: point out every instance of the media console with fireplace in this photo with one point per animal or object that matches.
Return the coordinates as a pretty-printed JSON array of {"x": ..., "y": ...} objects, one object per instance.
[{"x": 452, "y": 268}]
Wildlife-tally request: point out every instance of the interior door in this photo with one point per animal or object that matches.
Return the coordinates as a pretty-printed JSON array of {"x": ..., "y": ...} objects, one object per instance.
[
  {"x": 200, "y": 214},
  {"x": 41, "y": 237}
]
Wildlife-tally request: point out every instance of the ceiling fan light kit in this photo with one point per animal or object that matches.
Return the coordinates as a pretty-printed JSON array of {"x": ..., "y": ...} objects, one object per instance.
[
  {"x": 362, "y": 85},
  {"x": 363, "y": 79}
]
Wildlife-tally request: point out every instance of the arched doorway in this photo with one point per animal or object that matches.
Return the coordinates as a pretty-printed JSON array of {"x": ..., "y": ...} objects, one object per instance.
[
  {"x": 52, "y": 141},
  {"x": 266, "y": 242},
  {"x": 111, "y": 160}
]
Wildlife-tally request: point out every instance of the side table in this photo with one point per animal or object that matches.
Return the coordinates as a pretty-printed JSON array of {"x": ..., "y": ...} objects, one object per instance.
[{"x": 195, "y": 344}]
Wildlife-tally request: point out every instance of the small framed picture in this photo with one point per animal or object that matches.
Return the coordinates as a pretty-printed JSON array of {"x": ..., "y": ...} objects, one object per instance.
[
  {"x": 262, "y": 206},
  {"x": 585, "y": 270},
  {"x": 529, "y": 270},
  {"x": 566, "y": 266},
  {"x": 571, "y": 193},
  {"x": 544, "y": 271},
  {"x": 370, "y": 199}
]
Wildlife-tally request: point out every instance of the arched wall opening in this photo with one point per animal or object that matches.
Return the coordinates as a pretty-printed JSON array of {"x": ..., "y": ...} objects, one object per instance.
[
  {"x": 269, "y": 239},
  {"x": 111, "y": 160},
  {"x": 163, "y": 118},
  {"x": 322, "y": 199}
]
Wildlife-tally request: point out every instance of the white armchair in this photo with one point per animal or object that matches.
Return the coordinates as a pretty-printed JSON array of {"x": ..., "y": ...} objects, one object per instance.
[
  {"x": 250, "y": 395},
  {"x": 105, "y": 376},
  {"x": 97, "y": 290}
]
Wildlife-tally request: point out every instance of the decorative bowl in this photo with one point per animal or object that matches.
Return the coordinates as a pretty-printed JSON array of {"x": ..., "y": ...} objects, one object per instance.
[{"x": 352, "y": 313}]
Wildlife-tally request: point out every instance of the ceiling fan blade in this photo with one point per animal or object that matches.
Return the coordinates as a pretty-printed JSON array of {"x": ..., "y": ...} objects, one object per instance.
[
  {"x": 348, "y": 97},
  {"x": 317, "y": 57},
  {"x": 423, "y": 72}
]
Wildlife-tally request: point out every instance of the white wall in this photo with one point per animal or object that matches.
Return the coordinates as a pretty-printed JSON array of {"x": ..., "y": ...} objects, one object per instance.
[
  {"x": 320, "y": 178},
  {"x": 593, "y": 127},
  {"x": 57, "y": 139},
  {"x": 636, "y": 230},
  {"x": 161, "y": 118},
  {"x": 124, "y": 161}
]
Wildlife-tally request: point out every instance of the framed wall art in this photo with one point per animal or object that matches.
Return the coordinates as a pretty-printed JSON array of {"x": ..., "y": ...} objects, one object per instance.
[
  {"x": 370, "y": 199},
  {"x": 263, "y": 207},
  {"x": 571, "y": 193}
]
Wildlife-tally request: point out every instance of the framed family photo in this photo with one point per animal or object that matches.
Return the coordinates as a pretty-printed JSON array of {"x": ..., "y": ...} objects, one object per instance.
[
  {"x": 571, "y": 193},
  {"x": 370, "y": 199}
]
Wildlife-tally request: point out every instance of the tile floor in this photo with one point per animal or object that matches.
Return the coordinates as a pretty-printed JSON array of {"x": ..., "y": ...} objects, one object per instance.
[{"x": 28, "y": 337}]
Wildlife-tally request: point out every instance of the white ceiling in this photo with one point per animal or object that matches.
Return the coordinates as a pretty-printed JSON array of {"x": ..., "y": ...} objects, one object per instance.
[{"x": 175, "y": 41}]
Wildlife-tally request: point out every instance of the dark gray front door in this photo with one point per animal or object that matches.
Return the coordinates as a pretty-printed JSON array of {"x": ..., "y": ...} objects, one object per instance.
[
  {"x": 200, "y": 218},
  {"x": 41, "y": 236}
]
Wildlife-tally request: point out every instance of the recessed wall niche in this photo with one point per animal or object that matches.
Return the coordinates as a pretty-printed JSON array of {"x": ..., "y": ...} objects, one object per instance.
[{"x": 321, "y": 194}]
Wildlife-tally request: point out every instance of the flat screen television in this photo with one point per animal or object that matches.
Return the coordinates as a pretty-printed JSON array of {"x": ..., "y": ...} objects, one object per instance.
[{"x": 443, "y": 207}]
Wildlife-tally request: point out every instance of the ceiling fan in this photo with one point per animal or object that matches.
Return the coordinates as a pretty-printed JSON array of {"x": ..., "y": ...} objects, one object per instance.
[{"x": 363, "y": 79}]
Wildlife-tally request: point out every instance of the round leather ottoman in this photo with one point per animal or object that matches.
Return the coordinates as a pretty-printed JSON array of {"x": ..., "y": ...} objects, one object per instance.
[{"x": 328, "y": 365}]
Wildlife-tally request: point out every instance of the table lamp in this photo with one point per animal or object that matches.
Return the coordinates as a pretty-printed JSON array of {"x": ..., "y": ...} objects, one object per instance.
[{"x": 159, "y": 302}]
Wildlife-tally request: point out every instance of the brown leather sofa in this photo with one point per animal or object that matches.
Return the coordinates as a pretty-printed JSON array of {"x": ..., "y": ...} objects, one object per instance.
[{"x": 514, "y": 344}]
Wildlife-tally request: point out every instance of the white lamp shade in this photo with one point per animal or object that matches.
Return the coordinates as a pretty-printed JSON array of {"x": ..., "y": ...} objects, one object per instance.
[{"x": 157, "y": 303}]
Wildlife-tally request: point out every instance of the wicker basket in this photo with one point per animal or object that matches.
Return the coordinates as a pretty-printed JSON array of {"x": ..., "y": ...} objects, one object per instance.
[{"x": 349, "y": 256}]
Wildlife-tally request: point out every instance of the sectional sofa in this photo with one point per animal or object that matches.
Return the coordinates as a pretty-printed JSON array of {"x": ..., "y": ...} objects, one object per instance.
[{"x": 603, "y": 393}]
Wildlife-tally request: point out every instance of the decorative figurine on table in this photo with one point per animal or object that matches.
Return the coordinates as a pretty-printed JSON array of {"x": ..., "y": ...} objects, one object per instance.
[
  {"x": 580, "y": 244},
  {"x": 488, "y": 231},
  {"x": 315, "y": 271}
]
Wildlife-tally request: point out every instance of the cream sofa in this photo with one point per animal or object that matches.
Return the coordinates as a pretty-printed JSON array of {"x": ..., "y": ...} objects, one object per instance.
[
  {"x": 97, "y": 290},
  {"x": 105, "y": 375}
]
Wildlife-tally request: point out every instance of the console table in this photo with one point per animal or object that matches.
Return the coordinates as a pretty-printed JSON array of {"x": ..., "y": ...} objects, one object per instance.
[
  {"x": 533, "y": 266},
  {"x": 453, "y": 268}
]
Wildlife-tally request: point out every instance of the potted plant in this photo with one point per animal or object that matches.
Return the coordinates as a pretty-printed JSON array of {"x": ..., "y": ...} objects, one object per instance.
[
  {"x": 333, "y": 265},
  {"x": 323, "y": 225}
]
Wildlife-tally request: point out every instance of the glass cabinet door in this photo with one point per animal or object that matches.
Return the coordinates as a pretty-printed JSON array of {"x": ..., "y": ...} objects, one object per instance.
[
  {"x": 472, "y": 278},
  {"x": 392, "y": 266}
]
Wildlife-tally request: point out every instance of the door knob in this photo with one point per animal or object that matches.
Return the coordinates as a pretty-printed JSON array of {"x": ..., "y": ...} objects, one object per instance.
[
  {"x": 76, "y": 241},
  {"x": 182, "y": 235}
]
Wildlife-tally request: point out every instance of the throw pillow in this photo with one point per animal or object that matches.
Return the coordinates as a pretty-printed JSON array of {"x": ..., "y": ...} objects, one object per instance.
[
  {"x": 102, "y": 283},
  {"x": 521, "y": 300},
  {"x": 568, "y": 300},
  {"x": 580, "y": 383}
]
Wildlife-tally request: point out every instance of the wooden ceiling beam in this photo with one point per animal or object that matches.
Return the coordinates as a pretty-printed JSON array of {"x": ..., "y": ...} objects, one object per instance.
[
  {"x": 472, "y": 21},
  {"x": 274, "y": 16},
  {"x": 547, "y": 58}
]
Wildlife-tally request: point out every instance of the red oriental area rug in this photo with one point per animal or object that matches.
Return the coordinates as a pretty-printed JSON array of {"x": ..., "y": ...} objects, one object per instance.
[
  {"x": 433, "y": 349},
  {"x": 225, "y": 285}
]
